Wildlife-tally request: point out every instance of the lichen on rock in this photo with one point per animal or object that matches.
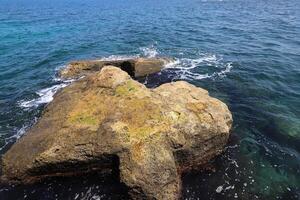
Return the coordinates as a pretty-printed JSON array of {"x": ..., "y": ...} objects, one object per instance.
[{"x": 154, "y": 134}]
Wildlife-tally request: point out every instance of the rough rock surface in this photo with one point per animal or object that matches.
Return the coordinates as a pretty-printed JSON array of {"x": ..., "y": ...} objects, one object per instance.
[
  {"x": 135, "y": 67},
  {"x": 109, "y": 121}
]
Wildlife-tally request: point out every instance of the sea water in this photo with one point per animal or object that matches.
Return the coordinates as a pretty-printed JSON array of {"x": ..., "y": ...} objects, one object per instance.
[{"x": 244, "y": 52}]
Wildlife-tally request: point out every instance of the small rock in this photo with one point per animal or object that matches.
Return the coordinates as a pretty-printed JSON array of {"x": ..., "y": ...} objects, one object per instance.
[{"x": 137, "y": 67}]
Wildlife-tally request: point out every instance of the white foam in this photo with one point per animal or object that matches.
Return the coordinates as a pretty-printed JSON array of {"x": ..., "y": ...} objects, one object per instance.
[
  {"x": 208, "y": 59},
  {"x": 45, "y": 96},
  {"x": 172, "y": 64},
  {"x": 150, "y": 52},
  {"x": 227, "y": 69},
  {"x": 20, "y": 132},
  {"x": 119, "y": 57},
  {"x": 17, "y": 135},
  {"x": 186, "y": 66}
]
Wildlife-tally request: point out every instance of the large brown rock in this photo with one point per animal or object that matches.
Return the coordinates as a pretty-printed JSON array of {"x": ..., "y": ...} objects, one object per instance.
[
  {"x": 109, "y": 121},
  {"x": 137, "y": 67}
]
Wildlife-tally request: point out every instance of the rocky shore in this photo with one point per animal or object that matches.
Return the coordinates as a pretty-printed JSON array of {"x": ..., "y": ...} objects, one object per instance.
[
  {"x": 138, "y": 67},
  {"x": 110, "y": 123}
]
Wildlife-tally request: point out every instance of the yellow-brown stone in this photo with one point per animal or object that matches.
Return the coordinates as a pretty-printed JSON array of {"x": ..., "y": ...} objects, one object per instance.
[{"x": 154, "y": 133}]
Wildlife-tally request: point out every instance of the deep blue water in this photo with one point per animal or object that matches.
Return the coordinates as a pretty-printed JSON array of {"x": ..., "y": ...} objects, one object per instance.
[{"x": 244, "y": 52}]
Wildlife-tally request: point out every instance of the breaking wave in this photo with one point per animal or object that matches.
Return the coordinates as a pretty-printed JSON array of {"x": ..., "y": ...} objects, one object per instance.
[
  {"x": 17, "y": 134},
  {"x": 205, "y": 66},
  {"x": 185, "y": 69},
  {"x": 149, "y": 52},
  {"x": 46, "y": 95}
]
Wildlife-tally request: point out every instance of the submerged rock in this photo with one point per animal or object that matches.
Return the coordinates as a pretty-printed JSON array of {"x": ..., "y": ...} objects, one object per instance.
[
  {"x": 134, "y": 67},
  {"x": 108, "y": 121}
]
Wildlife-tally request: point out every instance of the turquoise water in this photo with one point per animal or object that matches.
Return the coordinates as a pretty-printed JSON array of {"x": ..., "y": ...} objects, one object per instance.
[{"x": 244, "y": 52}]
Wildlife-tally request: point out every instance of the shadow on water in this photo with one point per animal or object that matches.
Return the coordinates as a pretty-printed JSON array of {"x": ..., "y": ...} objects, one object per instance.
[{"x": 92, "y": 186}]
